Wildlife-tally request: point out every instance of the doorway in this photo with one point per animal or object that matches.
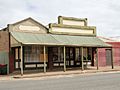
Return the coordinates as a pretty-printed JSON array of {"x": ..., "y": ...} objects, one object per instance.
[
  {"x": 108, "y": 57},
  {"x": 17, "y": 58}
]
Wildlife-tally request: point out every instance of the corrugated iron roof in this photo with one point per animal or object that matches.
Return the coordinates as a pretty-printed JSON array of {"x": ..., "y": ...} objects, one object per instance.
[
  {"x": 51, "y": 39},
  {"x": 104, "y": 39}
]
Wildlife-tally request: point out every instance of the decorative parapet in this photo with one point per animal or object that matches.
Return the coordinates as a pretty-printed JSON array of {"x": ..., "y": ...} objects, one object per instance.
[
  {"x": 72, "y": 21},
  {"x": 72, "y": 29}
]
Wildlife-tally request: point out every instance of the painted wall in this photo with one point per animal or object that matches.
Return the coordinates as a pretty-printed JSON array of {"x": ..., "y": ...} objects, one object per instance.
[
  {"x": 71, "y": 22},
  {"x": 4, "y": 48},
  {"x": 73, "y": 30},
  {"x": 102, "y": 57},
  {"x": 116, "y": 54},
  {"x": 27, "y": 25}
]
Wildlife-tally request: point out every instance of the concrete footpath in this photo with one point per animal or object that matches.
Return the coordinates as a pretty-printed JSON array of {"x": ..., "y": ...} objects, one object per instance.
[{"x": 17, "y": 76}]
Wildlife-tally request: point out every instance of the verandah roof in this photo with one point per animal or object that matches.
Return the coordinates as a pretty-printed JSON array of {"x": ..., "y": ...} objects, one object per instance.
[{"x": 50, "y": 39}]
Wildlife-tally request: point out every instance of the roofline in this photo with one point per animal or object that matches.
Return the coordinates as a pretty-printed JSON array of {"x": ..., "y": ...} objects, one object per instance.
[
  {"x": 46, "y": 44},
  {"x": 31, "y": 19},
  {"x": 110, "y": 40}
]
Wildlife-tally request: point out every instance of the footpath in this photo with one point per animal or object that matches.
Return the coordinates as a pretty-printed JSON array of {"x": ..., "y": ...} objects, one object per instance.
[{"x": 17, "y": 76}]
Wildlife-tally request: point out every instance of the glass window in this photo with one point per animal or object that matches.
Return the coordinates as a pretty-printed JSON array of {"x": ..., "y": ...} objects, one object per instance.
[
  {"x": 16, "y": 53},
  {"x": 89, "y": 57},
  {"x": 32, "y": 53},
  {"x": 71, "y": 53},
  {"x": 55, "y": 54},
  {"x": 77, "y": 54}
]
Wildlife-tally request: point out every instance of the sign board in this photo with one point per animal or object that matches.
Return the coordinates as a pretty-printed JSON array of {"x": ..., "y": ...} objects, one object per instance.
[
  {"x": 72, "y": 21},
  {"x": 73, "y": 30},
  {"x": 29, "y": 28}
]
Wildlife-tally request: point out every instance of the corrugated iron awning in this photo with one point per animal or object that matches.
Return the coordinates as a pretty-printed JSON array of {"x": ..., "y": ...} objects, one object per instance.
[{"x": 51, "y": 39}]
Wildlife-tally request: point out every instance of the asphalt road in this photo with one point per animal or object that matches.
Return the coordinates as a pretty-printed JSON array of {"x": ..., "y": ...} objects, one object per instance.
[{"x": 109, "y": 81}]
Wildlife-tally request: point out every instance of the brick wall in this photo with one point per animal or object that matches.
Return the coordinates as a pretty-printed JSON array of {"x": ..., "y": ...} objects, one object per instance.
[
  {"x": 4, "y": 48},
  {"x": 4, "y": 41}
]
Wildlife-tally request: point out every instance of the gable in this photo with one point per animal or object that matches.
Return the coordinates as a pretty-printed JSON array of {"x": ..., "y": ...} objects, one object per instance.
[{"x": 28, "y": 25}]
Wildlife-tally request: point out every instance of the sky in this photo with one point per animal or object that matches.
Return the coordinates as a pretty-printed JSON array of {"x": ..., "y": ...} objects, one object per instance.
[{"x": 104, "y": 14}]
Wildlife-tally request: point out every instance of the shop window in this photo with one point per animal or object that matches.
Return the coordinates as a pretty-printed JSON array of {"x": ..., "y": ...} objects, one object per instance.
[
  {"x": 58, "y": 54},
  {"x": 32, "y": 53},
  {"x": 77, "y": 54},
  {"x": 71, "y": 53},
  {"x": 16, "y": 53},
  {"x": 55, "y": 54}
]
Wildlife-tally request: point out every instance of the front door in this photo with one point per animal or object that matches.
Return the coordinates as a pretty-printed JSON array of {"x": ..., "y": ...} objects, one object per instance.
[
  {"x": 70, "y": 56},
  {"x": 108, "y": 57},
  {"x": 17, "y": 57}
]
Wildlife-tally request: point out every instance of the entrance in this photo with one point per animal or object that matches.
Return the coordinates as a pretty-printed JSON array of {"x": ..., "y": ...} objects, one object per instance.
[
  {"x": 73, "y": 57},
  {"x": 108, "y": 57},
  {"x": 70, "y": 56},
  {"x": 17, "y": 56}
]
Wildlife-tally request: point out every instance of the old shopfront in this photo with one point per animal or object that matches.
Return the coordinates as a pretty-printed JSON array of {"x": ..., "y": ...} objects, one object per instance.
[{"x": 67, "y": 44}]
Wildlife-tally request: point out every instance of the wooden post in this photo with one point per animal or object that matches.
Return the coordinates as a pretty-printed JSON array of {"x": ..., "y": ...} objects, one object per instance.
[
  {"x": 64, "y": 60},
  {"x": 21, "y": 60},
  {"x": 112, "y": 58},
  {"x": 97, "y": 59},
  {"x": 86, "y": 57},
  {"x": 44, "y": 59},
  {"x": 82, "y": 58}
]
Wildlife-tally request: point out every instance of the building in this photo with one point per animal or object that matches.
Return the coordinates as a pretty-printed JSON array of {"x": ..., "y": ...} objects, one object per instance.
[
  {"x": 105, "y": 53},
  {"x": 28, "y": 44}
]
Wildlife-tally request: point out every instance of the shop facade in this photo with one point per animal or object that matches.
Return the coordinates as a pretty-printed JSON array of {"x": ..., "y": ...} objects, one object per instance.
[{"x": 67, "y": 44}]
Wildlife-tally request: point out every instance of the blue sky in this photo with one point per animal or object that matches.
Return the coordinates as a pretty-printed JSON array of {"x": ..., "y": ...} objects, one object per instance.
[{"x": 104, "y": 14}]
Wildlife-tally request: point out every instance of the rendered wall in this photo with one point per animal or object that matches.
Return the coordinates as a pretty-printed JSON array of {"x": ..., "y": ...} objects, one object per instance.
[
  {"x": 4, "y": 48},
  {"x": 102, "y": 57},
  {"x": 116, "y": 54}
]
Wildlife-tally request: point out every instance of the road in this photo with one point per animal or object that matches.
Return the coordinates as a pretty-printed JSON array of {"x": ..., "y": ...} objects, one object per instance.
[{"x": 102, "y": 81}]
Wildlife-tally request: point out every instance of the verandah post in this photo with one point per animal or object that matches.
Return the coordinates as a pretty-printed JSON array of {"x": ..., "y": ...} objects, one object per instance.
[
  {"x": 112, "y": 58},
  {"x": 82, "y": 58},
  {"x": 21, "y": 60},
  {"x": 44, "y": 59},
  {"x": 97, "y": 59},
  {"x": 64, "y": 59}
]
